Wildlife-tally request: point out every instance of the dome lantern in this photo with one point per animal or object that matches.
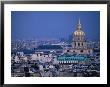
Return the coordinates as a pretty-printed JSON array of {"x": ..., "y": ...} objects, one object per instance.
[{"x": 79, "y": 25}]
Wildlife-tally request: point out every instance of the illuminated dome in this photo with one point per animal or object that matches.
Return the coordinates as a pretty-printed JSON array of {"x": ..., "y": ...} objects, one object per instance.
[{"x": 79, "y": 32}]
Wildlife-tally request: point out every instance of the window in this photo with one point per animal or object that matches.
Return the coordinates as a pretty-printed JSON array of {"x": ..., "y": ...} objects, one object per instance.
[
  {"x": 37, "y": 54},
  {"x": 81, "y": 51},
  {"x": 67, "y": 50},
  {"x": 74, "y": 44},
  {"x": 78, "y": 38},
  {"x": 78, "y": 44},
  {"x": 82, "y": 44}
]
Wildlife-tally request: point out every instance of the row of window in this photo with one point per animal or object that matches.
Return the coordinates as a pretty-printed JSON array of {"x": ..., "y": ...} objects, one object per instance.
[
  {"x": 80, "y": 51},
  {"x": 79, "y": 44},
  {"x": 74, "y": 51}
]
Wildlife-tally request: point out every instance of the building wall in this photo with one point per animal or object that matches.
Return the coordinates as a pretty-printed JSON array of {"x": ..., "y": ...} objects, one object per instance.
[{"x": 78, "y": 51}]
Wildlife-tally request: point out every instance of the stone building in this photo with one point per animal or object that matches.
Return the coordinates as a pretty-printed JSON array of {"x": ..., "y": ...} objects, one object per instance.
[{"x": 79, "y": 43}]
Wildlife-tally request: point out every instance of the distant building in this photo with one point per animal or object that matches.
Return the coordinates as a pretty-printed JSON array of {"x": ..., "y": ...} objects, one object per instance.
[
  {"x": 57, "y": 49},
  {"x": 67, "y": 59},
  {"x": 79, "y": 44},
  {"x": 42, "y": 57}
]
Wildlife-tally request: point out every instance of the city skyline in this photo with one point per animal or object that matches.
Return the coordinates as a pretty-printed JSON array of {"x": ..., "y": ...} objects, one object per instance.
[
  {"x": 54, "y": 25},
  {"x": 78, "y": 56}
]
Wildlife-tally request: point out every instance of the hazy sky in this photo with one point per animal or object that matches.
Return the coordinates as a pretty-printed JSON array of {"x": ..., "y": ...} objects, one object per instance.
[{"x": 53, "y": 24}]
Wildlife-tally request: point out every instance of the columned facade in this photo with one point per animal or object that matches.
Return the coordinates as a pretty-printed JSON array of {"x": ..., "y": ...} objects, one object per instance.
[{"x": 79, "y": 44}]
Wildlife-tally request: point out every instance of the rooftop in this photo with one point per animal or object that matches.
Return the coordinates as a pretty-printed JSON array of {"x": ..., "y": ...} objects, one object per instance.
[{"x": 69, "y": 58}]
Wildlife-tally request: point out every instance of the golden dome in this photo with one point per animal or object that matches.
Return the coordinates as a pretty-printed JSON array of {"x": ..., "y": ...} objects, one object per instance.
[{"x": 79, "y": 33}]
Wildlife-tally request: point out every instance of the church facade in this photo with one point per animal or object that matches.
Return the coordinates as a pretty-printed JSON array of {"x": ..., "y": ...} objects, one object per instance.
[{"x": 79, "y": 43}]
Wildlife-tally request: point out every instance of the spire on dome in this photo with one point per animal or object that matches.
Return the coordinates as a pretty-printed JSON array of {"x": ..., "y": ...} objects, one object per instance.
[
  {"x": 79, "y": 21},
  {"x": 79, "y": 25}
]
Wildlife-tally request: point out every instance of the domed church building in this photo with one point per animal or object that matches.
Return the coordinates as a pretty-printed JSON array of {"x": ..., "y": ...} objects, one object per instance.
[{"x": 79, "y": 44}]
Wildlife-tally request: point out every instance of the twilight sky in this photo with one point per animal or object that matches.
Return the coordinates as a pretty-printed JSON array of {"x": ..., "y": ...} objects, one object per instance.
[{"x": 53, "y": 24}]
